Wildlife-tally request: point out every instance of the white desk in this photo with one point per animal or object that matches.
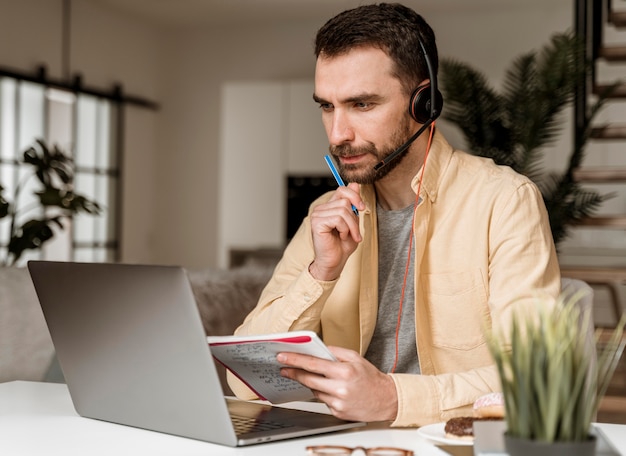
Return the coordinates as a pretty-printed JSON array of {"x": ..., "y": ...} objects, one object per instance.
[{"x": 39, "y": 419}]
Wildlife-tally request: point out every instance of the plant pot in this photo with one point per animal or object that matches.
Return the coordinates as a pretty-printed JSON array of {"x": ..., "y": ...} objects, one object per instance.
[{"x": 516, "y": 446}]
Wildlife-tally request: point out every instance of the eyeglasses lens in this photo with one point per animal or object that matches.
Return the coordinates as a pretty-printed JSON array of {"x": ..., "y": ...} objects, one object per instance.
[
  {"x": 323, "y": 451},
  {"x": 345, "y": 451},
  {"x": 388, "y": 452}
]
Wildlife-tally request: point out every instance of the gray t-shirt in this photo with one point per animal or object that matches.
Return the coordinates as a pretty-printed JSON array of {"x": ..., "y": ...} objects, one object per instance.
[{"x": 394, "y": 231}]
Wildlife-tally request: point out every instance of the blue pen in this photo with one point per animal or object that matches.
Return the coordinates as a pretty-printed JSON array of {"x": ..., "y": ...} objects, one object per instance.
[{"x": 331, "y": 165}]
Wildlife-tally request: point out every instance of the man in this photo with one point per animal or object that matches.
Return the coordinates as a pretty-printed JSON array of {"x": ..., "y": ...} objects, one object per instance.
[{"x": 444, "y": 246}]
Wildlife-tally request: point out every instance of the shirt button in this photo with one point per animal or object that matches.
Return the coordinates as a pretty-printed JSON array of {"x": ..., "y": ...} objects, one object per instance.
[{"x": 307, "y": 297}]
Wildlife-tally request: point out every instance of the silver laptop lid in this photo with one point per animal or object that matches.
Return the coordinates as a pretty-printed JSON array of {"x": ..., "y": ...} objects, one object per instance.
[
  {"x": 131, "y": 345},
  {"x": 132, "y": 348}
]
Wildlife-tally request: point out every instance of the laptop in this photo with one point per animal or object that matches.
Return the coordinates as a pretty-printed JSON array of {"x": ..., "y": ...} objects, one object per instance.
[{"x": 132, "y": 348}]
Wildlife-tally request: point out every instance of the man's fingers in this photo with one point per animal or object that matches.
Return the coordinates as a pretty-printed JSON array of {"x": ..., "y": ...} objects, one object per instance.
[{"x": 305, "y": 362}]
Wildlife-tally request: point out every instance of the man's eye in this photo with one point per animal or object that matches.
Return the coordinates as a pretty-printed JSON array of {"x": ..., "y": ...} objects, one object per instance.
[
  {"x": 326, "y": 107},
  {"x": 363, "y": 105}
]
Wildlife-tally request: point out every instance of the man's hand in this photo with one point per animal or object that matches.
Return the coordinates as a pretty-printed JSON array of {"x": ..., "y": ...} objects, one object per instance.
[
  {"x": 335, "y": 231},
  {"x": 352, "y": 388}
]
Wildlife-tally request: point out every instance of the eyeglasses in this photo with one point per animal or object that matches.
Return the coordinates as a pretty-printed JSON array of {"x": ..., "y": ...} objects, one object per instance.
[{"x": 324, "y": 450}]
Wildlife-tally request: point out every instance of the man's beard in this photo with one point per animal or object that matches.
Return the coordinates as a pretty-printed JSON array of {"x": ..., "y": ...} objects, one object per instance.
[{"x": 352, "y": 173}]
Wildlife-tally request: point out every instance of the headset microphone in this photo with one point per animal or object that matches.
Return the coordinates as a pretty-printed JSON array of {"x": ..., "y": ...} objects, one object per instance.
[
  {"x": 403, "y": 147},
  {"x": 425, "y": 107}
]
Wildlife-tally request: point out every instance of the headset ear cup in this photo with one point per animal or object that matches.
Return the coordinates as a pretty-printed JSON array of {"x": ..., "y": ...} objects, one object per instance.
[
  {"x": 420, "y": 108},
  {"x": 417, "y": 107}
]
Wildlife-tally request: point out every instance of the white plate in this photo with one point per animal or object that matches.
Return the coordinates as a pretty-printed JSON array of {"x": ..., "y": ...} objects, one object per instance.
[{"x": 437, "y": 433}]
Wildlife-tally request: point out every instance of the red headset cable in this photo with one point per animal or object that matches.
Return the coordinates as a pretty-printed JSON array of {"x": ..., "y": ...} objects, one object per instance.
[{"x": 408, "y": 259}]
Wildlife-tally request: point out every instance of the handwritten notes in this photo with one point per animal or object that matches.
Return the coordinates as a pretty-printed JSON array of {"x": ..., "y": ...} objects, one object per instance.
[{"x": 253, "y": 360}]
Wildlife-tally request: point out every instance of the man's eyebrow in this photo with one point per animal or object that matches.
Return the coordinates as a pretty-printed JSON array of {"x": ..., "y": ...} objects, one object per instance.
[{"x": 360, "y": 98}]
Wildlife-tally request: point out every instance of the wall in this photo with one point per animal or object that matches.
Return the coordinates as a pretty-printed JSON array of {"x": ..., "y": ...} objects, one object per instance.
[{"x": 172, "y": 156}]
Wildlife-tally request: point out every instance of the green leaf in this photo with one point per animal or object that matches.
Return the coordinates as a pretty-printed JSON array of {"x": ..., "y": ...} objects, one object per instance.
[
  {"x": 32, "y": 235},
  {"x": 67, "y": 200},
  {"x": 4, "y": 204},
  {"x": 49, "y": 164}
]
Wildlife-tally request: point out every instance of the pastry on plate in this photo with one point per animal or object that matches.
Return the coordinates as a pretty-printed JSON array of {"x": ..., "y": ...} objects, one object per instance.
[
  {"x": 489, "y": 405},
  {"x": 462, "y": 427}
]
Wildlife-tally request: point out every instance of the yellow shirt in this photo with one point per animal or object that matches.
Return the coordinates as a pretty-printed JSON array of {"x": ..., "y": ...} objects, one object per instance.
[{"x": 482, "y": 246}]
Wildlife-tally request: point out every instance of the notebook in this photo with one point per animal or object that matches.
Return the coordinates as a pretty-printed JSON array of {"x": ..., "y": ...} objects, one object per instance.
[{"x": 133, "y": 351}]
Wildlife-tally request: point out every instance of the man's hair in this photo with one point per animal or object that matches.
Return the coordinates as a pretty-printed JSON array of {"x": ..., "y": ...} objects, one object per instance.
[{"x": 391, "y": 27}]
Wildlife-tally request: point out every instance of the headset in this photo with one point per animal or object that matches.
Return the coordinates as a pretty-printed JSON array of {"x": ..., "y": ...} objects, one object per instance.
[{"x": 425, "y": 106}]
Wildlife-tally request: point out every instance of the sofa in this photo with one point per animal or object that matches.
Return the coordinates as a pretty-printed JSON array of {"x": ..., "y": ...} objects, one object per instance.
[{"x": 224, "y": 298}]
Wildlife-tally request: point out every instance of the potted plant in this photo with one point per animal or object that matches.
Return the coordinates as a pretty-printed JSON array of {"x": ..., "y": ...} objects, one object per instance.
[
  {"x": 55, "y": 200},
  {"x": 552, "y": 378},
  {"x": 512, "y": 126}
]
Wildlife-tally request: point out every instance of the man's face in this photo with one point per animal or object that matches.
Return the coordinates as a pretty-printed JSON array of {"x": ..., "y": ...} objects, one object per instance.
[{"x": 364, "y": 111}]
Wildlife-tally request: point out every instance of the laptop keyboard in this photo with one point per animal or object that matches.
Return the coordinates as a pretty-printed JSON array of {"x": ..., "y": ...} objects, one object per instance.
[{"x": 244, "y": 425}]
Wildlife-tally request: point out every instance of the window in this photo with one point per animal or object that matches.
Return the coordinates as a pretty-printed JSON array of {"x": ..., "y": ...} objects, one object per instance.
[{"x": 84, "y": 127}]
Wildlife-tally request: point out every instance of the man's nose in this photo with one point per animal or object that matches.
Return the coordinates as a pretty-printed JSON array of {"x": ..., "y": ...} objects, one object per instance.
[{"x": 341, "y": 130}]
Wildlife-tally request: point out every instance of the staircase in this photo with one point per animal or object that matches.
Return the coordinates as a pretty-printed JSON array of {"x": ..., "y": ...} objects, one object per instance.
[{"x": 596, "y": 252}]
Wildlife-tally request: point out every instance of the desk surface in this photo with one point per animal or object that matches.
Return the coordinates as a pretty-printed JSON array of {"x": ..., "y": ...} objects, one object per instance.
[{"x": 39, "y": 418}]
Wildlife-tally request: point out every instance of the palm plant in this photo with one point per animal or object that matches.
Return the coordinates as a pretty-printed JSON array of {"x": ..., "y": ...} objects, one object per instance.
[
  {"x": 512, "y": 126},
  {"x": 56, "y": 200}
]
